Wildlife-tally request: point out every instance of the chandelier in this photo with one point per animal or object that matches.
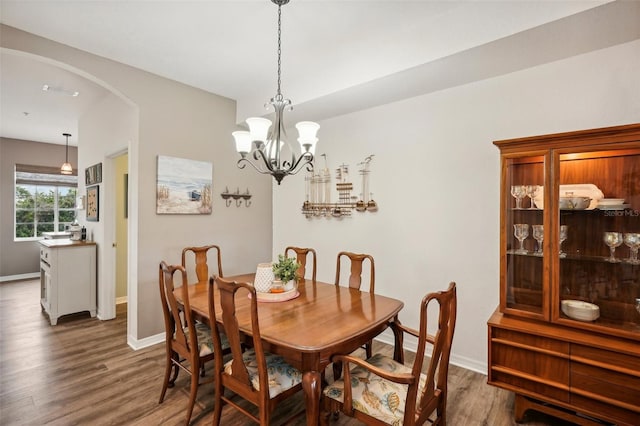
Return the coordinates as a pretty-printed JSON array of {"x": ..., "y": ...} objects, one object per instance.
[
  {"x": 66, "y": 168},
  {"x": 267, "y": 145}
]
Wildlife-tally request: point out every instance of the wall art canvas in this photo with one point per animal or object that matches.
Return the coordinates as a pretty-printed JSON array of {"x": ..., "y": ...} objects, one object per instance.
[
  {"x": 93, "y": 174},
  {"x": 93, "y": 203},
  {"x": 183, "y": 186}
]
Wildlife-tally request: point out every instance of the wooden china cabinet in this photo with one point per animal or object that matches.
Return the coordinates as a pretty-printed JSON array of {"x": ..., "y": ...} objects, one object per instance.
[{"x": 566, "y": 336}]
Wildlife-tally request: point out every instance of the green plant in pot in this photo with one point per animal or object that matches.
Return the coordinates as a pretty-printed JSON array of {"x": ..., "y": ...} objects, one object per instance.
[{"x": 285, "y": 269}]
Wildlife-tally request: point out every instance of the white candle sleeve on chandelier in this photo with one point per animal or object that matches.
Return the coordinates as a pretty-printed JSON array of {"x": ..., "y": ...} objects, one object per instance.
[
  {"x": 243, "y": 141},
  {"x": 307, "y": 131},
  {"x": 259, "y": 128}
]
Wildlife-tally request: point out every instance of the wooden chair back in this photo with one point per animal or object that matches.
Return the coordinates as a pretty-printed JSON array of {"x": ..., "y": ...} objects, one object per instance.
[
  {"x": 200, "y": 255},
  {"x": 301, "y": 256},
  {"x": 434, "y": 394},
  {"x": 237, "y": 378},
  {"x": 355, "y": 278},
  {"x": 177, "y": 317},
  {"x": 183, "y": 349},
  {"x": 420, "y": 403}
]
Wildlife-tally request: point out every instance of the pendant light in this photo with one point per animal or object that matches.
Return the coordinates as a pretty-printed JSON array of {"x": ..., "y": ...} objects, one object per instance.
[
  {"x": 267, "y": 145},
  {"x": 66, "y": 168}
]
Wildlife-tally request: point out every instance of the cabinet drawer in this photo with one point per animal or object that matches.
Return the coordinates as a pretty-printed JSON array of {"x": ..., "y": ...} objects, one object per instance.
[
  {"x": 46, "y": 254},
  {"x": 545, "y": 366},
  {"x": 530, "y": 341},
  {"x": 613, "y": 386},
  {"x": 619, "y": 416},
  {"x": 629, "y": 364}
]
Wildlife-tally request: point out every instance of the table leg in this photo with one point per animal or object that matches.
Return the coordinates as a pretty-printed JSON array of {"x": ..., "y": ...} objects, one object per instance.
[{"x": 311, "y": 384}]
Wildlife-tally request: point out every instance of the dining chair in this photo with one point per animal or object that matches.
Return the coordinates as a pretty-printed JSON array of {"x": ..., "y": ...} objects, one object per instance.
[
  {"x": 259, "y": 377},
  {"x": 382, "y": 390},
  {"x": 357, "y": 261},
  {"x": 188, "y": 343},
  {"x": 301, "y": 257},
  {"x": 201, "y": 261}
]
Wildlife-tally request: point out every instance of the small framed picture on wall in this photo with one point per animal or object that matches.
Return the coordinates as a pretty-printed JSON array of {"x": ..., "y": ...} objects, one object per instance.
[
  {"x": 93, "y": 203},
  {"x": 93, "y": 174}
]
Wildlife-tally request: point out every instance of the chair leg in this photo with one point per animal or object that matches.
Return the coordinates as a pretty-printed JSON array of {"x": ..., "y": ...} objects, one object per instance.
[
  {"x": 337, "y": 370},
  {"x": 167, "y": 373},
  {"x": 176, "y": 360},
  {"x": 192, "y": 394},
  {"x": 217, "y": 402},
  {"x": 368, "y": 347}
]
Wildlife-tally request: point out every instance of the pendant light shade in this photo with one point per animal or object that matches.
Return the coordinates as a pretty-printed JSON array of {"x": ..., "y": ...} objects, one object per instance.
[{"x": 66, "y": 168}]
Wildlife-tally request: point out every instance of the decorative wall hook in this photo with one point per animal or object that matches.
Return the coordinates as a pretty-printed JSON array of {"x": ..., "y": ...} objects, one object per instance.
[
  {"x": 236, "y": 196},
  {"x": 230, "y": 196},
  {"x": 226, "y": 196},
  {"x": 247, "y": 198}
]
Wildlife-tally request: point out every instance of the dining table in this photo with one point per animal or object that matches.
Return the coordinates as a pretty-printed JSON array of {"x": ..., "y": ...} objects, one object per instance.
[{"x": 323, "y": 320}]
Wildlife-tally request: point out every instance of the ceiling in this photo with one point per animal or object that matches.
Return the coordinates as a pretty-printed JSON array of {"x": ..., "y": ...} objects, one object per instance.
[{"x": 337, "y": 56}]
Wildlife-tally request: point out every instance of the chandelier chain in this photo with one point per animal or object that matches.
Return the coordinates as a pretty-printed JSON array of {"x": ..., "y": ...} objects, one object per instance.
[{"x": 279, "y": 94}]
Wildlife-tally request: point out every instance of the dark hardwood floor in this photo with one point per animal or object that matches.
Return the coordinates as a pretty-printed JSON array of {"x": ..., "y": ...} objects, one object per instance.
[{"x": 81, "y": 372}]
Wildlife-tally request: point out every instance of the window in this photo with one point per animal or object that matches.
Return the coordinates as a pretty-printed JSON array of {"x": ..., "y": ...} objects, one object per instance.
[{"x": 44, "y": 201}]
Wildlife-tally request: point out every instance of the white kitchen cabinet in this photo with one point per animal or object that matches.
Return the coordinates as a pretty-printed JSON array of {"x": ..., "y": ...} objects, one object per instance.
[{"x": 67, "y": 277}]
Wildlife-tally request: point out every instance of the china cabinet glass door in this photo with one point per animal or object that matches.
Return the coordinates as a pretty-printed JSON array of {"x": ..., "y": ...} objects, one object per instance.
[
  {"x": 524, "y": 245},
  {"x": 598, "y": 274}
]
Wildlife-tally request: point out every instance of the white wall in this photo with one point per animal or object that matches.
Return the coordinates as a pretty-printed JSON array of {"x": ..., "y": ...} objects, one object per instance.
[{"x": 435, "y": 176}]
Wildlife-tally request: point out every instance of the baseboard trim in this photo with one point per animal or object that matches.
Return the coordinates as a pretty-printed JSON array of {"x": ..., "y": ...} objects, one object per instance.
[
  {"x": 120, "y": 300},
  {"x": 19, "y": 277},
  {"x": 136, "y": 344},
  {"x": 460, "y": 361}
]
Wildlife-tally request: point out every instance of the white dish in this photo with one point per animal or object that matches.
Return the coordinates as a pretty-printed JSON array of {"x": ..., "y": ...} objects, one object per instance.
[
  {"x": 615, "y": 207},
  {"x": 611, "y": 201},
  {"x": 579, "y": 310},
  {"x": 575, "y": 190},
  {"x": 574, "y": 203},
  {"x": 277, "y": 297}
]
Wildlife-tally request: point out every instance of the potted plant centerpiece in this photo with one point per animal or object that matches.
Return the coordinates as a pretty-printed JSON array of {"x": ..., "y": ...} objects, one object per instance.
[{"x": 285, "y": 271}]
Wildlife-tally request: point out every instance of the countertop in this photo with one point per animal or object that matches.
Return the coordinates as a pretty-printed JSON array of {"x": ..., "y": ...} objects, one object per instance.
[{"x": 65, "y": 242}]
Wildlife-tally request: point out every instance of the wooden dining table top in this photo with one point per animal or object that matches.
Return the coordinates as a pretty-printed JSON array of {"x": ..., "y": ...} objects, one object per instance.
[
  {"x": 324, "y": 320},
  {"x": 321, "y": 318}
]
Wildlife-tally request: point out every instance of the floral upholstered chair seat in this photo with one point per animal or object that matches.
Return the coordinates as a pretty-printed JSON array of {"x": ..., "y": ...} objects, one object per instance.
[
  {"x": 373, "y": 395},
  {"x": 205, "y": 341},
  {"x": 282, "y": 376}
]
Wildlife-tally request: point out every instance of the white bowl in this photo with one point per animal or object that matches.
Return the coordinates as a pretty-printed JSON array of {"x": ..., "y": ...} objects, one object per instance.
[
  {"x": 574, "y": 203},
  {"x": 579, "y": 310},
  {"x": 611, "y": 201}
]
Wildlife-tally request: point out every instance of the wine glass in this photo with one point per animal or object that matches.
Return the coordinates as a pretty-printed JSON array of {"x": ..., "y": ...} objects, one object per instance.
[
  {"x": 531, "y": 191},
  {"x": 632, "y": 240},
  {"x": 613, "y": 240},
  {"x": 518, "y": 192},
  {"x": 521, "y": 232},
  {"x": 538, "y": 234},
  {"x": 564, "y": 233}
]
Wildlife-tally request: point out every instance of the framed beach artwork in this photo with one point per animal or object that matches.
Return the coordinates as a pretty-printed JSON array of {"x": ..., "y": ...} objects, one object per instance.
[{"x": 183, "y": 186}]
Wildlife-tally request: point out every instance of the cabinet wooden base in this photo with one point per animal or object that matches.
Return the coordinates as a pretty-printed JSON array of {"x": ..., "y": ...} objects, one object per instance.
[
  {"x": 522, "y": 404},
  {"x": 575, "y": 375}
]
